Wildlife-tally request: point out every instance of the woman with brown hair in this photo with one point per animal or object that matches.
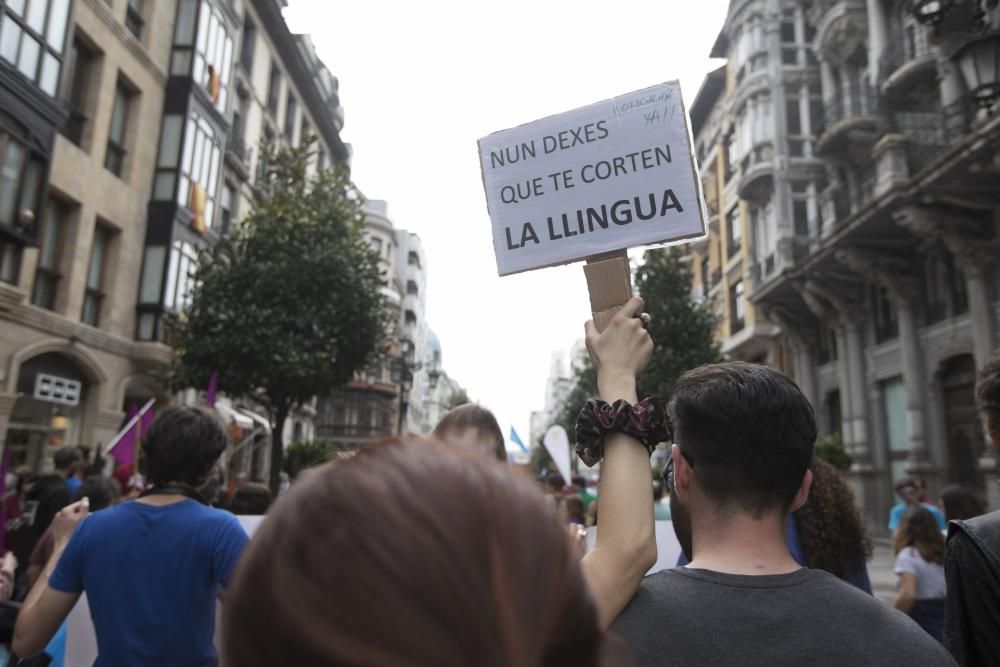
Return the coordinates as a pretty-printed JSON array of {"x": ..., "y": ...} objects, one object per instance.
[
  {"x": 919, "y": 548},
  {"x": 832, "y": 533},
  {"x": 477, "y": 573}
]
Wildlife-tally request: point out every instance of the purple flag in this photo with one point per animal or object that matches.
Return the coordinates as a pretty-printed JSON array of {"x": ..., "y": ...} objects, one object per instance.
[
  {"x": 125, "y": 449},
  {"x": 213, "y": 388}
]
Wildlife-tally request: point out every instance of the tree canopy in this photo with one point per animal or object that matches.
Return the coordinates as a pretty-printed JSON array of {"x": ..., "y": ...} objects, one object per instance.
[{"x": 288, "y": 306}]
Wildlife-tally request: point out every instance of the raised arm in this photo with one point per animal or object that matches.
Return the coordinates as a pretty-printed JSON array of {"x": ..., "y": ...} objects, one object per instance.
[
  {"x": 46, "y": 608},
  {"x": 626, "y": 539}
]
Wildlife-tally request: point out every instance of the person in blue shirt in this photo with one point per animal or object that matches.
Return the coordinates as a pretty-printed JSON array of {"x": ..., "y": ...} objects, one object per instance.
[
  {"x": 152, "y": 568},
  {"x": 910, "y": 492}
]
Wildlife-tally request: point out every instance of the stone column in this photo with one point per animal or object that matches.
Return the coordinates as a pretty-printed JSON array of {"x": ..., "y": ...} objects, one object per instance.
[
  {"x": 878, "y": 38},
  {"x": 844, "y": 389},
  {"x": 805, "y": 371},
  {"x": 984, "y": 338},
  {"x": 827, "y": 80},
  {"x": 919, "y": 462},
  {"x": 857, "y": 389}
]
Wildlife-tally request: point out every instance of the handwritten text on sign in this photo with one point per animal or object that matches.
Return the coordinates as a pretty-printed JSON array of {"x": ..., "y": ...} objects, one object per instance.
[{"x": 609, "y": 176}]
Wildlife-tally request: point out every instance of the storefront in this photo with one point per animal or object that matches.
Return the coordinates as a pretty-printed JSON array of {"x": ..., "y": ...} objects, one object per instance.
[{"x": 49, "y": 412}]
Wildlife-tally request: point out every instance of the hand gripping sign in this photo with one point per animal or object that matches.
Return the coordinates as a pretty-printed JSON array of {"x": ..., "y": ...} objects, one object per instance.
[{"x": 591, "y": 183}]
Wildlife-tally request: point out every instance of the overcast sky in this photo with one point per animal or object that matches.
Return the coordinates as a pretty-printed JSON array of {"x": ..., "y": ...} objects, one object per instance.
[{"x": 420, "y": 82}]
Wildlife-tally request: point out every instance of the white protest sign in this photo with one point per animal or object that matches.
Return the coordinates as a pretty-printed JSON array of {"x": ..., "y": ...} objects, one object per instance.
[
  {"x": 598, "y": 179},
  {"x": 556, "y": 443}
]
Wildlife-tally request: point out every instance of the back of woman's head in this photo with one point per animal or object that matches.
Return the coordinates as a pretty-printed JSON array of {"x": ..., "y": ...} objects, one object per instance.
[
  {"x": 833, "y": 533},
  {"x": 479, "y": 572},
  {"x": 959, "y": 503},
  {"x": 919, "y": 529}
]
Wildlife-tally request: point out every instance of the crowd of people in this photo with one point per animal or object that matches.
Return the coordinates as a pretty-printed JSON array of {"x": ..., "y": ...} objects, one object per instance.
[{"x": 484, "y": 566}]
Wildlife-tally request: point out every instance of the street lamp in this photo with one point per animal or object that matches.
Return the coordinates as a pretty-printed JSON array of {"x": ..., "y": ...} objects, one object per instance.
[
  {"x": 403, "y": 368},
  {"x": 979, "y": 62},
  {"x": 931, "y": 12}
]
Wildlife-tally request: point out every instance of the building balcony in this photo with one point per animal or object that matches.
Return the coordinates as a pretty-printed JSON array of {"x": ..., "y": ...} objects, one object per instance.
[
  {"x": 909, "y": 58},
  {"x": 929, "y": 134},
  {"x": 757, "y": 172},
  {"x": 853, "y": 118},
  {"x": 841, "y": 27}
]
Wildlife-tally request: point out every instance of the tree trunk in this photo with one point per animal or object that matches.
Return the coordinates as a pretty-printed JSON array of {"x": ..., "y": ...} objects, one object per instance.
[{"x": 277, "y": 448}]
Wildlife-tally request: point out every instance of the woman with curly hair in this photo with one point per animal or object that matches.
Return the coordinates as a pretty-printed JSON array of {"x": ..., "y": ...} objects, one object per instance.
[
  {"x": 919, "y": 548},
  {"x": 831, "y": 531}
]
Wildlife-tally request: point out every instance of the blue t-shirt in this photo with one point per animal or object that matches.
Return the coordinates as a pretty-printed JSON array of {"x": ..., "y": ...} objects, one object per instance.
[
  {"x": 896, "y": 515},
  {"x": 152, "y": 575},
  {"x": 73, "y": 483}
]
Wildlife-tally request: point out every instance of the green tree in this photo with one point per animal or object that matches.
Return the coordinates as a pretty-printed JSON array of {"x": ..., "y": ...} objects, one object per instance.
[
  {"x": 289, "y": 306},
  {"x": 457, "y": 398},
  {"x": 682, "y": 330},
  {"x": 303, "y": 455}
]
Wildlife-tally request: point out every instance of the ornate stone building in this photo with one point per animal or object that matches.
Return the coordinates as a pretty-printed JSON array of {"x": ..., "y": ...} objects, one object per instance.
[
  {"x": 128, "y": 131},
  {"x": 874, "y": 218}
]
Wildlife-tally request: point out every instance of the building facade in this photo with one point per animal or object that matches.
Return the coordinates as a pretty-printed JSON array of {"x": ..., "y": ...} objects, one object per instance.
[
  {"x": 124, "y": 150},
  {"x": 866, "y": 161}
]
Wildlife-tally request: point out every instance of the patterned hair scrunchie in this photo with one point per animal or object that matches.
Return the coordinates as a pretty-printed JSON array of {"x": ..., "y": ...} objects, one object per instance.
[{"x": 647, "y": 422}]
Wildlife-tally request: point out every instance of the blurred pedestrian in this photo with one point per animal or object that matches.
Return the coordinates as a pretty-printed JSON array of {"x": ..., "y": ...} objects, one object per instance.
[
  {"x": 580, "y": 486},
  {"x": 830, "y": 530},
  {"x": 919, "y": 548},
  {"x": 151, "y": 567},
  {"x": 472, "y": 427},
  {"x": 251, "y": 499},
  {"x": 910, "y": 493},
  {"x": 512, "y": 592},
  {"x": 959, "y": 503},
  {"x": 573, "y": 511},
  {"x": 478, "y": 572},
  {"x": 742, "y": 444},
  {"x": 972, "y": 563},
  {"x": 51, "y": 492},
  {"x": 661, "y": 512}
]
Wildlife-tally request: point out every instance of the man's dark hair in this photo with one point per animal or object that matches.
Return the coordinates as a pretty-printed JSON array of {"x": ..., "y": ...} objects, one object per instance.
[
  {"x": 99, "y": 490},
  {"x": 579, "y": 481},
  {"x": 748, "y": 433},
  {"x": 182, "y": 445},
  {"x": 252, "y": 499},
  {"x": 470, "y": 415},
  {"x": 66, "y": 457},
  {"x": 988, "y": 393}
]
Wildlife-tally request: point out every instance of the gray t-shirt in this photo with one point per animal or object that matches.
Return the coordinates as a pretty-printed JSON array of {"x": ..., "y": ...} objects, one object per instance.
[
  {"x": 930, "y": 576},
  {"x": 809, "y": 617}
]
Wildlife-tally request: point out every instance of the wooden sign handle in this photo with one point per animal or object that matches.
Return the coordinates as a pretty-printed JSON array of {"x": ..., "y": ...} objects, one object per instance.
[{"x": 609, "y": 282}]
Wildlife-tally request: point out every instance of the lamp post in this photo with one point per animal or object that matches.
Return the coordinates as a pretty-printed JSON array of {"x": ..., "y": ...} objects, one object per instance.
[
  {"x": 403, "y": 370},
  {"x": 931, "y": 12},
  {"x": 979, "y": 62}
]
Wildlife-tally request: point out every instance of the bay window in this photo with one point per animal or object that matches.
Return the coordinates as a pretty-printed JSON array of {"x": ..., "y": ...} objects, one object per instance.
[
  {"x": 32, "y": 36},
  {"x": 199, "y": 171}
]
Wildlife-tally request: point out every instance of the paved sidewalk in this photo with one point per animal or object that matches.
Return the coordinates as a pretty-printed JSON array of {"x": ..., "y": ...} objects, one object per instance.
[{"x": 880, "y": 570}]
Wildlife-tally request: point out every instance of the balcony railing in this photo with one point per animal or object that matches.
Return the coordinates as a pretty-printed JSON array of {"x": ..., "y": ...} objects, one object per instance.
[
  {"x": 238, "y": 148},
  {"x": 856, "y": 101},
  {"x": 930, "y": 132},
  {"x": 912, "y": 45}
]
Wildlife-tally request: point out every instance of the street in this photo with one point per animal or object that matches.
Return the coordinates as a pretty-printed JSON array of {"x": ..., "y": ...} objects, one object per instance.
[{"x": 880, "y": 570}]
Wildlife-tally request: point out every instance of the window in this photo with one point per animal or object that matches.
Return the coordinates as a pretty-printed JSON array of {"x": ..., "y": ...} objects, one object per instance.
[
  {"x": 732, "y": 158},
  {"x": 180, "y": 275},
  {"x": 248, "y": 43},
  {"x": 738, "y": 308},
  {"x": 226, "y": 208},
  {"x": 291, "y": 109},
  {"x": 199, "y": 173},
  {"x": 213, "y": 55},
  {"x": 274, "y": 89},
  {"x": 735, "y": 231},
  {"x": 706, "y": 279},
  {"x": 305, "y": 131},
  {"x": 81, "y": 63},
  {"x": 376, "y": 245},
  {"x": 32, "y": 36},
  {"x": 410, "y": 317},
  {"x": 114, "y": 159},
  {"x": 150, "y": 290},
  {"x": 411, "y": 288},
  {"x": 944, "y": 287},
  {"x": 805, "y": 209},
  {"x": 413, "y": 259},
  {"x": 133, "y": 18},
  {"x": 886, "y": 322},
  {"x": 10, "y": 260},
  {"x": 180, "y": 59},
  {"x": 168, "y": 157},
  {"x": 21, "y": 177},
  {"x": 94, "y": 295},
  {"x": 50, "y": 243},
  {"x": 320, "y": 160}
]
